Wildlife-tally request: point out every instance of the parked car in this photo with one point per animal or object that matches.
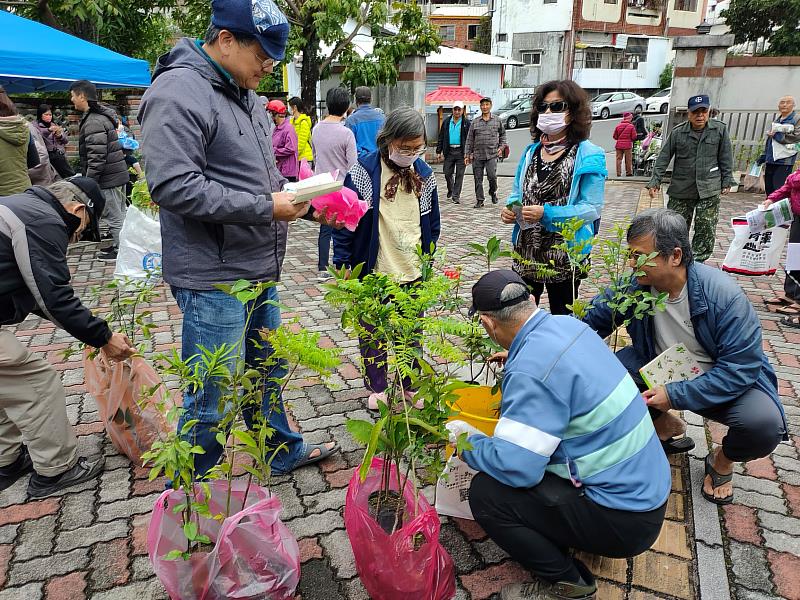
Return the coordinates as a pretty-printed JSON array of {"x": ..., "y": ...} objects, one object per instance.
[
  {"x": 615, "y": 103},
  {"x": 659, "y": 102},
  {"x": 515, "y": 113}
]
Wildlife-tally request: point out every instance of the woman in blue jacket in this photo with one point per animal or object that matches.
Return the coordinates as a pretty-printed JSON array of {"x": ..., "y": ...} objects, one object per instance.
[
  {"x": 560, "y": 176},
  {"x": 400, "y": 189}
]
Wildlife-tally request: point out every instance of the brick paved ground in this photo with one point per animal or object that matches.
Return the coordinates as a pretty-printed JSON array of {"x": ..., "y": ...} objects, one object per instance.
[{"x": 90, "y": 542}]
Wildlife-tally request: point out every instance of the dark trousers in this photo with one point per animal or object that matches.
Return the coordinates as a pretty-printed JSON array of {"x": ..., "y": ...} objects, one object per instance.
[
  {"x": 324, "y": 247},
  {"x": 558, "y": 293},
  {"x": 373, "y": 353},
  {"x": 791, "y": 285},
  {"x": 454, "y": 172},
  {"x": 775, "y": 176},
  {"x": 488, "y": 165},
  {"x": 537, "y": 526},
  {"x": 755, "y": 425},
  {"x": 60, "y": 163}
]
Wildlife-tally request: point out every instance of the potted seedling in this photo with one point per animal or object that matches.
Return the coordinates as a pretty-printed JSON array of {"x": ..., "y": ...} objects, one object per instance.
[{"x": 221, "y": 536}]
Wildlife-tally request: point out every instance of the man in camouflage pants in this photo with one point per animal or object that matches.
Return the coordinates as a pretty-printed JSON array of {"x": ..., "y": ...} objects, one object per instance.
[{"x": 702, "y": 170}]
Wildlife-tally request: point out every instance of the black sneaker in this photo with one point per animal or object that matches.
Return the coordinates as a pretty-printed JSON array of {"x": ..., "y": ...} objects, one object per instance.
[
  {"x": 20, "y": 467},
  {"x": 456, "y": 201},
  {"x": 109, "y": 255},
  {"x": 41, "y": 486},
  {"x": 478, "y": 205},
  {"x": 494, "y": 199}
]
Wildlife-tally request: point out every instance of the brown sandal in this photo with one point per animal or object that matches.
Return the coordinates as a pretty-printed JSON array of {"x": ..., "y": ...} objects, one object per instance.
[
  {"x": 779, "y": 301},
  {"x": 790, "y": 311}
]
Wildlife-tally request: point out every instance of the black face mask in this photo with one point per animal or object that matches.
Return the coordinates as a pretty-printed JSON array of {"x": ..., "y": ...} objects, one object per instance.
[{"x": 72, "y": 222}]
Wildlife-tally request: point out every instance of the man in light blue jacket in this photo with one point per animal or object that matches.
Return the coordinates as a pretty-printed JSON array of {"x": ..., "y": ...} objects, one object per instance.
[
  {"x": 574, "y": 461},
  {"x": 711, "y": 316}
]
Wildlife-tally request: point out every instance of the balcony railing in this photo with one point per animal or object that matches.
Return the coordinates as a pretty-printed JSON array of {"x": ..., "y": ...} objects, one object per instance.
[{"x": 649, "y": 5}]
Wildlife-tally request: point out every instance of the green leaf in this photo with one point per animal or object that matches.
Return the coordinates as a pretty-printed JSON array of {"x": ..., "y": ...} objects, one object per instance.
[
  {"x": 190, "y": 530},
  {"x": 244, "y": 437},
  {"x": 173, "y": 555},
  {"x": 360, "y": 430},
  {"x": 371, "y": 446}
]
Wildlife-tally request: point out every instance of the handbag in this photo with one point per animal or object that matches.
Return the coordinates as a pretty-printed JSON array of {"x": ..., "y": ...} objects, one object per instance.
[{"x": 781, "y": 151}]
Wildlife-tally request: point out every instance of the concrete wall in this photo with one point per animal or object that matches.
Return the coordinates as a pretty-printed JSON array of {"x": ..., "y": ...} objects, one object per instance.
[
  {"x": 521, "y": 16},
  {"x": 551, "y": 44},
  {"x": 744, "y": 75},
  {"x": 598, "y": 10},
  {"x": 461, "y": 27}
]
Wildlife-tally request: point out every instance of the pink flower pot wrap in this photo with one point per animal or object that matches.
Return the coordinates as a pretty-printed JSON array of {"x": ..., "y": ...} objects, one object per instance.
[{"x": 254, "y": 554}]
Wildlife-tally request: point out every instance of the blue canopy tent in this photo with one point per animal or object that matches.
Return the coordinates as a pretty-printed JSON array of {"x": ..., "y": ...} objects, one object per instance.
[{"x": 38, "y": 58}]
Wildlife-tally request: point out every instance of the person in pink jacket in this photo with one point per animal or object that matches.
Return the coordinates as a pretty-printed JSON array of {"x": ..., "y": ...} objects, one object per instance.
[
  {"x": 791, "y": 299},
  {"x": 284, "y": 141},
  {"x": 625, "y": 134}
]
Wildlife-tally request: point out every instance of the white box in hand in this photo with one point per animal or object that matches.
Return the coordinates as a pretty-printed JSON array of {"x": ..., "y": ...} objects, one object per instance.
[{"x": 310, "y": 188}]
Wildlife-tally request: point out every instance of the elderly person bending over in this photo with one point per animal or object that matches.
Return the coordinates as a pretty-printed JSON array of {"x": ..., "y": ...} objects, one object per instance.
[
  {"x": 400, "y": 188},
  {"x": 709, "y": 314},
  {"x": 574, "y": 461}
]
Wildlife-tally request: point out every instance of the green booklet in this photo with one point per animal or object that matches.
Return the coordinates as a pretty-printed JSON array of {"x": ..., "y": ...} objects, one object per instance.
[{"x": 676, "y": 363}]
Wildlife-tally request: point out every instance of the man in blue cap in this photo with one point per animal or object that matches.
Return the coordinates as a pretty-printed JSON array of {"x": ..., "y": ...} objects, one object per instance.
[
  {"x": 703, "y": 170},
  {"x": 210, "y": 167}
]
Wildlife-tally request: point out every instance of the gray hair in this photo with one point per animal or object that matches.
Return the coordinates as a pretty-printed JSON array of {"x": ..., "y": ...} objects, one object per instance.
[
  {"x": 363, "y": 95},
  {"x": 668, "y": 229},
  {"x": 401, "y": 124},
  {"x": 516, "y": 312},
  {"x": 212, "y": 35}
]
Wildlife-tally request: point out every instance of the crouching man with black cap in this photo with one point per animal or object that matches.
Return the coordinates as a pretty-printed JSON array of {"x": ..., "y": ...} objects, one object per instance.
[
  {"x": 35, "y": 228},
  {"x": 574, "y": 461}
]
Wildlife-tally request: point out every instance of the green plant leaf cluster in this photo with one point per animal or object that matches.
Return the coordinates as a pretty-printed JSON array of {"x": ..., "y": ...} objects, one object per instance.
[{"x": 776, "y": 21}]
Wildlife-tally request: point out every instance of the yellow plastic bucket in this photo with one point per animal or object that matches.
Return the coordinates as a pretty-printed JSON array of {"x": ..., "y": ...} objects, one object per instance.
[{"x": 477, "y": 406}]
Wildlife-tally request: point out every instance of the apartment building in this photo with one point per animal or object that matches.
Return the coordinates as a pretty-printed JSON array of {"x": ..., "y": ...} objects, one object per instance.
[
  {"x": 458, "y": 23},
  {"x": 602, "y": 44}
]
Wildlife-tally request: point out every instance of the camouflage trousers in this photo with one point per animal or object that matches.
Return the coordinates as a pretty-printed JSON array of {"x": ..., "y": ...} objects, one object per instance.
[{"x": 705, "y": 213}]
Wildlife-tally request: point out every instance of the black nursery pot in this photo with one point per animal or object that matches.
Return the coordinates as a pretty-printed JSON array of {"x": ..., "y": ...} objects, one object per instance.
[{"x": 392, "y": 508}]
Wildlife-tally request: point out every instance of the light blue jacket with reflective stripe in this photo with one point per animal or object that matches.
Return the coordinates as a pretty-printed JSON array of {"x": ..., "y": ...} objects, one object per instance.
[
  {"x": 586, "y": 194},
  {"x": 570, "y": 407}
]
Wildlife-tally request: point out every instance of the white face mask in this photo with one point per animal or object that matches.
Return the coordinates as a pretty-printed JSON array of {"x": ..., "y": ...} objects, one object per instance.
[
  {"x": 550, "y": 123},
  {"x": 402, "y": 160}
]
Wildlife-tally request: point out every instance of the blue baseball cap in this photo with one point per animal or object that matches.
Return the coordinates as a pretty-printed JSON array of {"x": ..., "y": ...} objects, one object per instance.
[
  {"x": 260, "y": 18},
  {"x": 699, "y": 101}
]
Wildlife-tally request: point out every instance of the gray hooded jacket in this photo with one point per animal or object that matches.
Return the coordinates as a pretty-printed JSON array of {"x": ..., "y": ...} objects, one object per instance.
[{"x": 210, "y": 168}]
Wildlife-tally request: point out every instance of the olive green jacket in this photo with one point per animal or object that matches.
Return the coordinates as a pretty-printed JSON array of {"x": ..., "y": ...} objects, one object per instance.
[
  {"x": 702, "y": 168},
  {"x": 14, "y": 139}
]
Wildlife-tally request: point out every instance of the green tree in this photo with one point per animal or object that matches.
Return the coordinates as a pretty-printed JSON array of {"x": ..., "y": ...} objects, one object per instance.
[
  {"x": 318, "y": 34},
  {"x": 138, "y": 28},
  {"x": 665, "y": 79},
  {"x": 416, "y": 36},
  {"x": 483, "y": 43},
  {"x": 776, "y": 21}
]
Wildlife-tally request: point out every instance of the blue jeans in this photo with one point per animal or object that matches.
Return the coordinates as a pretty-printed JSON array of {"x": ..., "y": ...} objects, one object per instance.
[
  {"x": 324, "y": 246},
  {"x": 212, "y": 318}
]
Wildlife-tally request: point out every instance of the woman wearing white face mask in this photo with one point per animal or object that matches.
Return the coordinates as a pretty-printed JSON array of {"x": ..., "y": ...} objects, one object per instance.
[
  {"x": 560, "y": 176},
  {"x": 400, "y": 188}
]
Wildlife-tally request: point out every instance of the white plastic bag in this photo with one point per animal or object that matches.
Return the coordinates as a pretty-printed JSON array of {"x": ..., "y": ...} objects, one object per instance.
[
  {"x": 452, "y": 489},
  {"x": 754, "y": 253},
  {"x": 139, "y": 254}
]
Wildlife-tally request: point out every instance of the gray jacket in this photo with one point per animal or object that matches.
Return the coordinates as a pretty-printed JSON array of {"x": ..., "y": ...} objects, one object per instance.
[
  {"x": 210, "y": 168},
  {"x": 703, "y": 166},
  {"x": 485, "y": 138}
]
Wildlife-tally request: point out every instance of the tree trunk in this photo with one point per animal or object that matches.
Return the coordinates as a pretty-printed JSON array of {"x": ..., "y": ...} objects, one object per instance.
[{"x": 309, "y": 74}]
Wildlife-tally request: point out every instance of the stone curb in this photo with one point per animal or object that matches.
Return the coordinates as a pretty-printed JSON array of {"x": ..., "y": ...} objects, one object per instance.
[{"x": 712, "y": 573}]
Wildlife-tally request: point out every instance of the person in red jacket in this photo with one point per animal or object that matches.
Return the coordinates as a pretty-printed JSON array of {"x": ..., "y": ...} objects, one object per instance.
[{"x": 625, "y": 134}]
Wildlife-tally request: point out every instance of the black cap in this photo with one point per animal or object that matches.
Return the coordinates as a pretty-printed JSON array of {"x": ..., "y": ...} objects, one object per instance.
[
  {"x": 95, "y": 203},
  {"x": 487, "y": 291},
  {"x": 486, "y": 99}
]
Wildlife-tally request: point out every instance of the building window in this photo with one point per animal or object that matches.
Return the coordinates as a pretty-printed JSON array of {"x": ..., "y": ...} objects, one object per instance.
[
  {"x": 502, "y": 37},
  {"x": 636, "y": 50},
  {"x": 611, "y": 1},
  {"x": 550, "y": 1},
  {"x": 532, "y": 57},
  {"x": 593, "y": 58},
  {"x": 687, "y": 5},
  {"x": 447, "y": 32},
  {"x": 472, "y": 31}
]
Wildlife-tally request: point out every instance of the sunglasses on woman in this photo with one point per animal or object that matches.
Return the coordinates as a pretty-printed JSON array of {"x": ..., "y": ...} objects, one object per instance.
[{"x": 557, "y": 107}]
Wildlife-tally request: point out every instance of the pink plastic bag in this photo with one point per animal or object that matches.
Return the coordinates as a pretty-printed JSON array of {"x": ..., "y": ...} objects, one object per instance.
[
  {"x": 132, "y": 423},
  {"x": 388, "y": 565},
  {"x": 254, "y": 555},
  {"x": 344, "y": 204},
  {"x": 305, "y": 170}
]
